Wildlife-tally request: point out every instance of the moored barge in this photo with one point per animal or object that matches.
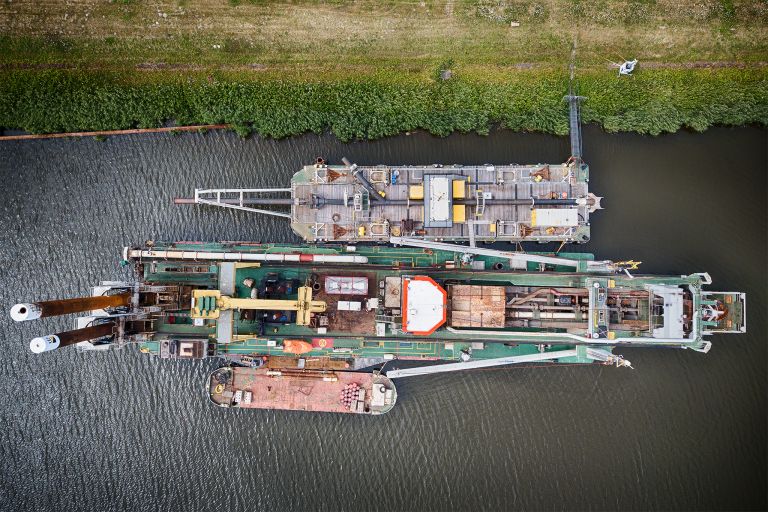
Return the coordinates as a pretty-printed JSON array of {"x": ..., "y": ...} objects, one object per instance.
[
  {"x": 302, "y": 389},
  {"x": 350, "y": 203}
]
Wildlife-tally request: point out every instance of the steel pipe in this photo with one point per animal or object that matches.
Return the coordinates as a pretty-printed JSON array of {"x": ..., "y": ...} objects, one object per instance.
[
  {"x": 62, "y": 339},
  {"x": 34, "y": 310}
]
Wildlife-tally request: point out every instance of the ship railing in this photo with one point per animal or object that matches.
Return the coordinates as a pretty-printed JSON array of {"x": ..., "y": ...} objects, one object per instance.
[{"x": 321, "y": 175}]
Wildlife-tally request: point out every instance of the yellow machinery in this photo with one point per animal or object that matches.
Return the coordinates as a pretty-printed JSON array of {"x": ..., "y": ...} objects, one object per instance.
[{"x": 208, "y": 304}]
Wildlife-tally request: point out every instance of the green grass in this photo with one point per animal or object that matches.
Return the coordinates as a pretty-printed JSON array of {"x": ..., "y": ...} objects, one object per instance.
[{"x": 380, "y": 104}]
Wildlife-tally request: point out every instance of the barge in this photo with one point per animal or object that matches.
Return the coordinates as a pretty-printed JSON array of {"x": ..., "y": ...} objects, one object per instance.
[
  {"x": 350, "y": 203},
  {"x": 302, "y": 390}
]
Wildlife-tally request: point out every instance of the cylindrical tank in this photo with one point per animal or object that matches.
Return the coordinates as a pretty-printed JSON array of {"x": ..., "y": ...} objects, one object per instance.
[
  {"x": 32, "y": 311},
  {"x": 62, "y": 339}
]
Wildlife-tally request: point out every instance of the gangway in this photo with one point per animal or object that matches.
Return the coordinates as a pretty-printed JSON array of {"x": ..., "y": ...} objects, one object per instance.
[
  {"x": 574, "y": 110},
  {"x": 574, "y": 117}
]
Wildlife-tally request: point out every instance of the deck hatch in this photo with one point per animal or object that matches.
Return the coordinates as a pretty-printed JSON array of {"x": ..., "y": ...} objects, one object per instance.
[{"x": 438, "y": 201}]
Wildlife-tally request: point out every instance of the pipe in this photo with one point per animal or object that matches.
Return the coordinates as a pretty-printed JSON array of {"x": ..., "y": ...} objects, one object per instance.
[
  {"x": 367, "y": 185},
  {"x": 362, "y": 179},
  {"x": 133, "y": 254},
  {"x": 512, "y": 202},
  {"x": 516, "y": 259},
  {"x": 522, "y": 337},
  {"x": 34, "y": 310},
  {"x": 483, "y": 363},
  {"x": 62, "y": 339}
]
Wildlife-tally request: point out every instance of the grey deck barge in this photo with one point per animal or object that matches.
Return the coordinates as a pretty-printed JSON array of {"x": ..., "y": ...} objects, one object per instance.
[
  {"x": 513, "y": 203},
  {"x": 350, "y": 203}
]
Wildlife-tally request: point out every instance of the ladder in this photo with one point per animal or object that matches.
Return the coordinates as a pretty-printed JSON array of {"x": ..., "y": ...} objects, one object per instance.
[{"x": 387, "y": 319}]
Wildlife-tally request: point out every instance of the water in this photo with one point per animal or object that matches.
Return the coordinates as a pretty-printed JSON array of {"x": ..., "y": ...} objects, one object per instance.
[{"x": 122, "y": 431}]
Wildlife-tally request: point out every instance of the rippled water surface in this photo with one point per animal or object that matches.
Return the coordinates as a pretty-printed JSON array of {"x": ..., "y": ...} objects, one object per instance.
[{"x": 122, "y": 431}]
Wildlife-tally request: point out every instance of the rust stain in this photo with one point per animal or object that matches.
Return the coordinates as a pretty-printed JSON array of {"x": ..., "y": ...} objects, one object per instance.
[{"x": 116, "y": 132}]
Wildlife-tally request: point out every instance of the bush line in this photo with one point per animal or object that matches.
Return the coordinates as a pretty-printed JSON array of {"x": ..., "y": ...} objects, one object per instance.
[{"x": 374, "y": 106}]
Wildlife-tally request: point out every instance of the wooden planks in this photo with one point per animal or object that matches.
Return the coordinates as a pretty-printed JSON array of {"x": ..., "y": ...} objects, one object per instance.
[{"x": 477, "y": 306}]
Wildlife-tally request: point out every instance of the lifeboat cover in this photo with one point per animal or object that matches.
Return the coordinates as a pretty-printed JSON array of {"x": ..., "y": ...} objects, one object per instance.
[
  {"x": 424, "y": 305},
  {"x": 296, "y": 347}
]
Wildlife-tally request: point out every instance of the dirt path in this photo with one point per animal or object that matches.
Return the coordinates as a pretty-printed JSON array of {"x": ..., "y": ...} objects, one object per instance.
[{"x": 162, "y": 66}]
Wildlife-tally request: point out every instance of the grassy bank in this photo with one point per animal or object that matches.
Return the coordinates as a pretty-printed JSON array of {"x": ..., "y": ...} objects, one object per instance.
[
  {"x": 377, "y": 105},
  {"x": 366, "y": 34},
  {"x": 368, "y": 68}
]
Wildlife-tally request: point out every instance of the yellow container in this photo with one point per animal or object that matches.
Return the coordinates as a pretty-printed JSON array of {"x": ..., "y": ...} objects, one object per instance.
[
  {"x": 416, "y": 192},
  {"x": 459, "y": 189},
  {"x": 459, "y": 213}
]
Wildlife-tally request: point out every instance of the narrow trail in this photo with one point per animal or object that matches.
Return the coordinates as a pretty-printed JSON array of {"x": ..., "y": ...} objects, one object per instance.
[{"x": 256, "y": 67}]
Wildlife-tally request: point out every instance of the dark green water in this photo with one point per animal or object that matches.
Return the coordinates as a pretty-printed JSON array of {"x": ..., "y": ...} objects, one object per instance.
[{"x": 121, "y": 431}]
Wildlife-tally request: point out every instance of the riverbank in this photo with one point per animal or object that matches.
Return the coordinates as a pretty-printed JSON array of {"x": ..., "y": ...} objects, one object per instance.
[
  {"x": 369, "y": 69},
  {"x": 380, "y": 104}
]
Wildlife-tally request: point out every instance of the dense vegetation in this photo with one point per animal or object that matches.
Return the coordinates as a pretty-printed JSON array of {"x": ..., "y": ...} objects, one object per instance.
[{"x": 376, "y": 105}]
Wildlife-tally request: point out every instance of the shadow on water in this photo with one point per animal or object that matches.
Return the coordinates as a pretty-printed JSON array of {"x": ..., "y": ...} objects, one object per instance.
[{"x": 123, "y": 431}]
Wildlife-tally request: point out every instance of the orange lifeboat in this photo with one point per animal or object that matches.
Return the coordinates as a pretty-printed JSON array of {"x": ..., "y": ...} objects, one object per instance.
[{"x": 296, "y": 346}]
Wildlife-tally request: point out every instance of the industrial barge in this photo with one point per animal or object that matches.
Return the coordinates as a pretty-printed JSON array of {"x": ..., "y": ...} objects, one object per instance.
[
  {"x": 350, "y": 203},
  {"x": 302, "y": 316}
]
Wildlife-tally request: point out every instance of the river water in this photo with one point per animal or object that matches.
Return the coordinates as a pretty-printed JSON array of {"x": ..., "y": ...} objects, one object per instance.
[{"x": 122, "y": 431}]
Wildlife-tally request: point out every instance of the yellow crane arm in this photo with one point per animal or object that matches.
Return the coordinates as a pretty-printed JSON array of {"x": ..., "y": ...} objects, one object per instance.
[{"x": 209, "y": 303}]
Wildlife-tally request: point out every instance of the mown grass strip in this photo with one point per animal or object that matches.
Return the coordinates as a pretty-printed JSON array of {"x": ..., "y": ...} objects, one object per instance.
[{"x": 374, "y": 106}]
